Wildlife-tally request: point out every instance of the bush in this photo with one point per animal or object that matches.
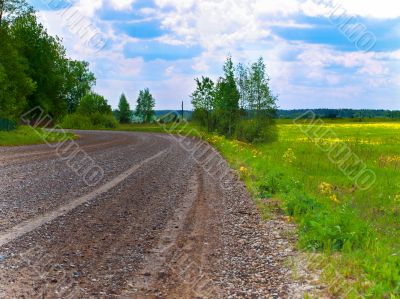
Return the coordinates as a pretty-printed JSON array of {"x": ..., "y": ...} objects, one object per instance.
[
  {"x": 99, "y": 120},
  {"x": 93, "y": 103},
  {"x": 256, "y": 131},
  {"x": 76, "y": 121},
  {"x": 91, "y": 122}
]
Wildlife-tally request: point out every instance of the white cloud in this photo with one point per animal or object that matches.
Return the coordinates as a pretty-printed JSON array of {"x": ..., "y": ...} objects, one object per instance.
[
  {"x": 305, "y": 75},
  {"x": 88, "y": 8},
  {"x": 385, "y": 9},
  {"x": 122, "y": 4},
  {"x": 275, "y": 7}
]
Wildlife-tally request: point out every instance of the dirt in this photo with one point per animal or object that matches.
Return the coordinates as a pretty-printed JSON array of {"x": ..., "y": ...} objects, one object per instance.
[{"x": 169, "y": 219}]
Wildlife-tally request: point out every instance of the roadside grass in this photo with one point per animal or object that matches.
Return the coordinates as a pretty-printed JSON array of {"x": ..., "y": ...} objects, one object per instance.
[
  {"x": 333, "y": 216},
  {"x": 24, "y": 135}
]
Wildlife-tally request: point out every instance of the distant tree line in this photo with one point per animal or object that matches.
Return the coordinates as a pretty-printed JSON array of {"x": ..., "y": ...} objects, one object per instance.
[
  {"x": 240, "y": 104},
  {"x": 340, "y": 113}
]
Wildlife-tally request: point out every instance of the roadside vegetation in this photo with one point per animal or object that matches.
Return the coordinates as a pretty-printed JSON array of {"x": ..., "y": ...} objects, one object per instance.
[
  {"x": 239, "y": 105},
  {"x": 36, "y": 72},
  {"x": 25, "y": 135},
  {"x": 355, "y": 231}
]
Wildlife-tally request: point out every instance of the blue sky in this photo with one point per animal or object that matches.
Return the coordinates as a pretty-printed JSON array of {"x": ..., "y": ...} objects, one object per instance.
[{"x": 319, "y": 53}]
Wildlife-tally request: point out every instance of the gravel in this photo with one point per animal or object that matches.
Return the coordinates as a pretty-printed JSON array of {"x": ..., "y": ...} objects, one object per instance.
[{"x": 172, "y": 229}]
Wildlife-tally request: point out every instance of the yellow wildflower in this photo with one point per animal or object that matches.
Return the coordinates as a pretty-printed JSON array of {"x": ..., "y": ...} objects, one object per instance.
[
  {"x": 289, "y": 156},
  {"x": 243, "y": 169},
  {"x": 325, "y": 188},
  {"x": 334, "y": 198}
]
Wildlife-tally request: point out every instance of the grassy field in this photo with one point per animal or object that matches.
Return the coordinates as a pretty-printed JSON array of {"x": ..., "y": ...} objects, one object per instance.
[
  {"x": 334, "y": 215},
  {"x": 353, "y": 228},
  {"x": 27, "y": 136}
]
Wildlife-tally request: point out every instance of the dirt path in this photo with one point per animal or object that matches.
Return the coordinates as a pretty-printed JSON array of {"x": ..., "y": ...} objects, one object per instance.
[{"x": 168, "y": 220}]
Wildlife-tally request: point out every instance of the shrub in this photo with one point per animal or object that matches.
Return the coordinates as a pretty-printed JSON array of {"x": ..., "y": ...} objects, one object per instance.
[
  {"x": 76, "y": 121},
  {"x": 99, "y": 120},
  {"x": 256, "y": 131},
  {"x": 93, "y": 121},
  {"x": 93, "y": 103}
]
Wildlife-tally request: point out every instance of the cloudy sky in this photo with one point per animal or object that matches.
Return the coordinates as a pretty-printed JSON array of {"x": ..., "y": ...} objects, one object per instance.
[{"x": 319, "y": 53}]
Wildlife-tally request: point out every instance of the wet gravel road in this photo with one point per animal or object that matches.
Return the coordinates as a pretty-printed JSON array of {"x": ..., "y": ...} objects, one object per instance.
[{"x": 168, "y": 219}]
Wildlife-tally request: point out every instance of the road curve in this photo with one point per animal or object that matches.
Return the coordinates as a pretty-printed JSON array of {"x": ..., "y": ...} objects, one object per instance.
[{"x": 167, "y": 219}]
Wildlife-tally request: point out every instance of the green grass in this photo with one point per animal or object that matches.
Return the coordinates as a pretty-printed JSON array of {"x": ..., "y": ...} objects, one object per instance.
[
  {"x": 24, "y": 135},
  {"x": 333, "y": 215},
  {"x": 355, "y": 232}
]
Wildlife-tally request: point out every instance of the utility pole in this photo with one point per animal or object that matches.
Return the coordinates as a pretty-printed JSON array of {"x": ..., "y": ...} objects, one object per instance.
[{"x": 182, "y": 111}]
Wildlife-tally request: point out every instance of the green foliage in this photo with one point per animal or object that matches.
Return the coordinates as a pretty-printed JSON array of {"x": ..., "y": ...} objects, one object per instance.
[
  {"x": 94, "y": 121},
  {"x": 256, "y": 130},
  {"x": 240, "y": 106},
  {"x": 46, "y": 61},
  {"x": 100, "y": 120},
  {"x": 93, "y": 103},
  {"x": 124, "y": 110},
  {"x": 145, "y": 106},
  {"x": 227, "y": 101},
  {"x": 10, "y": 9},
  {"x": 203, "y": 101},
  {"x": 80, "y": 82},
  {"x": 325, "y": 228},
  {"x": 34, "y": 69},
  {"x": 92, "y": 113},
  {"x": 76, "y": 121},
  {"x": 15, "y": 85}
]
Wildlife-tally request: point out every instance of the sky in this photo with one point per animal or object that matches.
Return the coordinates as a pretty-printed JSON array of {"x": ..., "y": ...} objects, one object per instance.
[{"x": 318, "y": 53}]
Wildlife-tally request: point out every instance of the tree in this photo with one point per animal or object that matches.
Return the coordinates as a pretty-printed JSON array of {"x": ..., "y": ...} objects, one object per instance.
[
  {"x": 80, "y": 82},
  {"x": 240, "y": 106},
  {"x": 47, "y": 65},
  {"x": 261, "y": 105},
  {"x": 203, "y": 101},
  {"x": 124, "y": 110},
  {"x": 10, "y": 9},
  {"x": 145, "y": 106},
  {"x": 227, "y": 100},
  {"x": 243, "y": 83},
  {"x": 94, "y": 103},
  {"x": 261, "y": 101},
  {"x": 34, "y": 69},
  {"x": 15, "y": 84}
]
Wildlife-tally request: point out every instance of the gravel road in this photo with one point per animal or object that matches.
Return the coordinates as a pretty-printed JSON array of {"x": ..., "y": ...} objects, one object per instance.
[{"x": 168, "y": 219}]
